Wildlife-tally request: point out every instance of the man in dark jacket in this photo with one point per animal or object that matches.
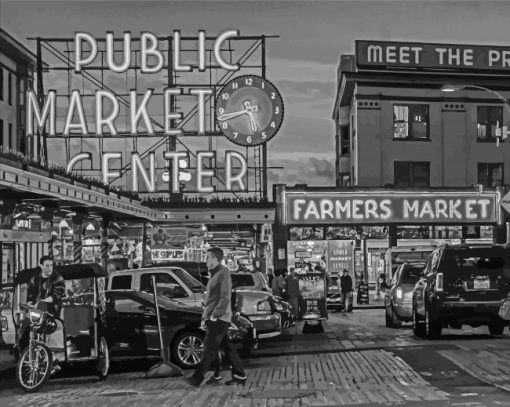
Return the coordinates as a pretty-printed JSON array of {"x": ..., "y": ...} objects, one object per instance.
[
  {"x": 346, "y": 290},
  {"x": 46, "y": 286},
  {"x": 217, "y": 317}
]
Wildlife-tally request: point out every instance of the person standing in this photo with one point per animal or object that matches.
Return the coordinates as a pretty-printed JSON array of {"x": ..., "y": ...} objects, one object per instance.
[
  {"x": 293, "y": 292},
  {"x": 346, "y": 290},
  {"x": 216, "y": 317},
  {"x": 278, "y": 284},
  {"x": 270, "y": 277}
]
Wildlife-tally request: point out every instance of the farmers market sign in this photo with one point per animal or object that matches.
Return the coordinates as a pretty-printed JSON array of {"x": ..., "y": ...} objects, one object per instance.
[{"x": 383, "y": 207}]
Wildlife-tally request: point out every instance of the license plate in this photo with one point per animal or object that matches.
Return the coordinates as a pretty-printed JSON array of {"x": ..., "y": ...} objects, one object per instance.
[{"x": 481, "y": 284}]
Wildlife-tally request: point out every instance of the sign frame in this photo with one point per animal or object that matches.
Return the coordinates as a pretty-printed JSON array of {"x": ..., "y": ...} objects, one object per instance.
[{"x": 494, "y": 215}]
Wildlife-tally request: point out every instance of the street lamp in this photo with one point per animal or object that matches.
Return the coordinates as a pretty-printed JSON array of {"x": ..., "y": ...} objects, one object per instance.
[{"x": 506, "y": 102}]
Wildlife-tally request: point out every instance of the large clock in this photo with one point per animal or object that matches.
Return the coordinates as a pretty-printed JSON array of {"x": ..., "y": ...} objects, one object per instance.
[{"x": 249, "y": 110}]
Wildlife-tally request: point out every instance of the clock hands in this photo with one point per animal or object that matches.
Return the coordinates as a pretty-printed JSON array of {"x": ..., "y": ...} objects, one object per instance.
[{"x": 248, "y": 110}]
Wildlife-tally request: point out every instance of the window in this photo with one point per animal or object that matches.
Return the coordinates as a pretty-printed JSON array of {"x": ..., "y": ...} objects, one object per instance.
[
  {"x": 9, "y": 88},
  {"x": 490, "y": 174},
  {"x": 344, "y": 140},
  {"x": 242, "y": 280},
  {"x": 127, "y": 305},
  {"x": 487, "y": 121},
  {"x": 166, "y": 285},
  {"x": 121, "y": 283},
  {"x": 412, "y": 174},
  {"x": 411, "y": 122},
  {"x": 10, "y": 143},
  {"x": 1, "y": 83}
]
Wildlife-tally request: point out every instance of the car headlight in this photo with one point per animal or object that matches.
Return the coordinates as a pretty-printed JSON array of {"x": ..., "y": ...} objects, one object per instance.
[
  {"x": 279, "y": 306},
  {"x": 35, "y": 316},
  {"x": 264, "y": 306}
]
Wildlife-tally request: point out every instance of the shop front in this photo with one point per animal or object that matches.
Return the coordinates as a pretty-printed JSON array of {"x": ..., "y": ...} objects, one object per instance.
[{"x": 370, "y": 232}]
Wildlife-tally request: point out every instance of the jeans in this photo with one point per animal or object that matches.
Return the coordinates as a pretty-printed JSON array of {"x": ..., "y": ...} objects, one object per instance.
[
  {"x": 347, "y": 301},
  {"x": 295, "y": 307},
  {"x": 230, "y": 350},
  {"x": 216, "y": 331}
]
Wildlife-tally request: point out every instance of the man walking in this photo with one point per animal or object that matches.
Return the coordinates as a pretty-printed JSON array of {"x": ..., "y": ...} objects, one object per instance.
[
  {"x": 346, "y": 290},
  {"x": 217, "y": 317}
]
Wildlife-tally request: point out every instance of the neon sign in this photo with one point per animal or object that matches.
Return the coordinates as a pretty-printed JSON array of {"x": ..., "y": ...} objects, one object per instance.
[{"x": 391, "y": 207}]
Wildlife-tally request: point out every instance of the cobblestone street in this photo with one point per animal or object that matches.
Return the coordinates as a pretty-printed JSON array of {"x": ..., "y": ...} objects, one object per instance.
[{"x": 372, "y": 365}]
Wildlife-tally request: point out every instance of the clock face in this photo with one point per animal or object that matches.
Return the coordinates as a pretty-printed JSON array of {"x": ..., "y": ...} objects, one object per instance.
[{"x": 249, "y": 110}]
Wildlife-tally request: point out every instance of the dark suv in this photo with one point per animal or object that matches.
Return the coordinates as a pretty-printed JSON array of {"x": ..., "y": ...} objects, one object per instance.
[{"x": 461, "y": 284}]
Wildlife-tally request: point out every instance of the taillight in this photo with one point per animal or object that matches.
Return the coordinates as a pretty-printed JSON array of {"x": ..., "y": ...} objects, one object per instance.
[
  {"x": 439, "y": 282},
  {"x": 399, "y": 293}
]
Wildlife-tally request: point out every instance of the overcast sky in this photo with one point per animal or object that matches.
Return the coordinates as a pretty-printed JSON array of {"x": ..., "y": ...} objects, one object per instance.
[{"x": 302, "y": 62}]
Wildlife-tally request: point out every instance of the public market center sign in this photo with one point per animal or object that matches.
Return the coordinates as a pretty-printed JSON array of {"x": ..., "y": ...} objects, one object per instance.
[
  {"x": 385, "y": 207},
  {"x": 386, "y": 54}
]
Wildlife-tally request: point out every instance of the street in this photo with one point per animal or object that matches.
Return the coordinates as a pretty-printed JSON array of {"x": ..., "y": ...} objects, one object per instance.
[{"x": 356, "y": 361}]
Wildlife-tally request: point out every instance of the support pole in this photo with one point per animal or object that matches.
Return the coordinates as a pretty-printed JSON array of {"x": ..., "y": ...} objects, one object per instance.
[
  {"x": 77, "y": 236},
  {"x": 144, "y": 242},
  {"x": 104, "y": 240}
]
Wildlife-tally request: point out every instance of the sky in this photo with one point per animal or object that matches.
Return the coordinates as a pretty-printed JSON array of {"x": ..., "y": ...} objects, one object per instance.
[{"x": 302, "y": 62}]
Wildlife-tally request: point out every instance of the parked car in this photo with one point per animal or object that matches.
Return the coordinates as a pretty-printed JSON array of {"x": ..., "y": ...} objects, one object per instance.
[
  {"x": 172, "y": 282},
  {"x": 261, "y": 309},
  {"x": 461, "y": 284},
  {"x": 198, "y": 270},
  {"x": 399, "y": 295},
  {"x": 249, "y": 281},
  {"x": 285, "y": 311},
  {"x": 132, "y": 330}
]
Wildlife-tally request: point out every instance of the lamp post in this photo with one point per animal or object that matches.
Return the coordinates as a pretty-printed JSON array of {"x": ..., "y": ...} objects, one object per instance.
[{"x": 454, "y": 88}]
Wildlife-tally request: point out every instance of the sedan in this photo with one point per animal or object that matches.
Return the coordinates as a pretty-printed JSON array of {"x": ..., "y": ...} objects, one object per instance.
[
  {"x": 398, "y": 297},
  {"x": 132, "y": 329},
  {"x": 261, "y": 309}
]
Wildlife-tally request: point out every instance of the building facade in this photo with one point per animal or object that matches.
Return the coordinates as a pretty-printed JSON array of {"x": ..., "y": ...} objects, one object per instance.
[
  {"x": 396, "y": 126},
  {"x": 17, "y": 65}
]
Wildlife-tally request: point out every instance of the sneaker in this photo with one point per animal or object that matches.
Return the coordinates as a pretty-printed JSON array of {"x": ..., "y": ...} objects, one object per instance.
[
  {"x": 192, "y": 381},
  {"x": 236, "y": 379},
  {"x": 214, "y": 380}
]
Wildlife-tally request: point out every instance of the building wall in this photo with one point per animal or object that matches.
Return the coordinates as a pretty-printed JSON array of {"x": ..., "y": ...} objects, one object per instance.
[
  {"x": 9, "y": 112},
  {"x": 452, "y": 150}
]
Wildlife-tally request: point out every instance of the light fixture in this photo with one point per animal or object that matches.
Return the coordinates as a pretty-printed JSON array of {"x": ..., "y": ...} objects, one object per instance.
[
  {"x": 203, "y": 228},
  {"x": 452, "y": 88},
  {"x": 90, "y": 227},
  {"x": 63, "y": 224}
]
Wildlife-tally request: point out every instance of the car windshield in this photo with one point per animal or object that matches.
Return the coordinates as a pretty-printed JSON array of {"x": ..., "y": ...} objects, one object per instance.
[
  {"x": 411, "y": 275},
  {"x": 193, "y": 284},
  {"x": 242, "y": 280}
]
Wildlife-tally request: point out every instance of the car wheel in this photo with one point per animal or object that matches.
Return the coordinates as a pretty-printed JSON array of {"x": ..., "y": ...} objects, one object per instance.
[
  {"x": 496, "y": 329},
  {"x": 432, "y": 326},
  {"x": 418, "y": 326},
  {"x": 187, "y": 349}
]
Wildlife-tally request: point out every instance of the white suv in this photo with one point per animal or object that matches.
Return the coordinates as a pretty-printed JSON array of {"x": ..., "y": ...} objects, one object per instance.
[{"x": 171, "y": 282}]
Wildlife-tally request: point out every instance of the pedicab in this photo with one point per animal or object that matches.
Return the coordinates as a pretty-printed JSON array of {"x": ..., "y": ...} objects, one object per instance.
[{"x": 75, "y": 336}]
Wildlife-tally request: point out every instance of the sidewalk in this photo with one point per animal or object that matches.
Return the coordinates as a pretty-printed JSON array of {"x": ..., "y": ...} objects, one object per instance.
[{"x": 364, "y": 377}]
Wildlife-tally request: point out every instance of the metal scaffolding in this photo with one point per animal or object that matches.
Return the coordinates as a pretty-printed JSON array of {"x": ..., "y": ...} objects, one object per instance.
[{"x": 58, "y": 73}]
